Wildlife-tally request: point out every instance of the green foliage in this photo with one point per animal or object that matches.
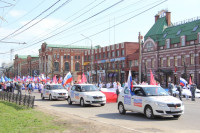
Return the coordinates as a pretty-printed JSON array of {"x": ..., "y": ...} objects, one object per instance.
[{"x": 14, "y": 119}]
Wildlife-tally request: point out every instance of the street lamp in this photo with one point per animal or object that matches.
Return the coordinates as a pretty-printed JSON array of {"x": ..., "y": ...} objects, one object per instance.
[{"x": 91, "y": 54}]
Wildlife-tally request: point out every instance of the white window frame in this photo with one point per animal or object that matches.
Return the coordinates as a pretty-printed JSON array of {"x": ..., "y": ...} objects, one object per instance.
[
  {"x": 117, "y": 46},
  {"x": 122, "y": 45},
  {"x": 113, "y": 47},
  {"x": 103, "y": 49},
  {"x": 167, "y": 43},
  {"x": 108, "y": 48},
  {"x": 182, "y": 40},
  {"x": 99, "y": 50}
]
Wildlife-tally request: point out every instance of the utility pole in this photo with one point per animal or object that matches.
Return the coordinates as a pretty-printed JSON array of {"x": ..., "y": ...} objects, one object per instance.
[{"x": 140, "y": 57}]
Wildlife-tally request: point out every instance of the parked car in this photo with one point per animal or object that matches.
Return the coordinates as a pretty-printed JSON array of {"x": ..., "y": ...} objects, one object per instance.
[
  {"x": 54, "y": 91},
  {"x": 86, "y": 94},
  {"x": 150, "y": 100}
]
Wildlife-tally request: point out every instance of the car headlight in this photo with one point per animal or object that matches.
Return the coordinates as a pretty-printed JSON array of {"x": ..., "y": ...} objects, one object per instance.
[{"x": 160, "y": 104}]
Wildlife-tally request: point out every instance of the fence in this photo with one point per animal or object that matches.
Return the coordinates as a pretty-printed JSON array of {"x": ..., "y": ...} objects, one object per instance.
[{"x": 25, "y": 100}]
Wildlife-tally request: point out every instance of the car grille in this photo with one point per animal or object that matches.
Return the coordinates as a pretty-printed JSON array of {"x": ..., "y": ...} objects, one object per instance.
[
  {"x": 97, "y": 101},
  {"x": 61, "y": 93},
  {"x": 97, "y": 97},
  {"x": 174, "y": 105},
  {"x": 174, "y": 112}
]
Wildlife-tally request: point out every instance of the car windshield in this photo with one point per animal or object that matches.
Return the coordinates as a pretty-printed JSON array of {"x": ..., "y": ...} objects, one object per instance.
[
  {"x": 56, "y": 87},
  {"x": 155, "y": 91},
  {"x": 89, "y": 88}
]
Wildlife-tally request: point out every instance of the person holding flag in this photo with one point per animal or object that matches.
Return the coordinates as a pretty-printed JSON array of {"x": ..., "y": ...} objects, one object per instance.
[{"x": 193, "y": 88}]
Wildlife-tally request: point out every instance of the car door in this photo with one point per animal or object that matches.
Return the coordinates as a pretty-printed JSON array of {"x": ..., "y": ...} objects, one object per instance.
[
  {"x": 77, "y": 93},
  {"x": 126, "y": 98},
  {"x": 137, "y": 100},
  {"x": 47, "y": 91},
  {"x": 71, "y": 93}
]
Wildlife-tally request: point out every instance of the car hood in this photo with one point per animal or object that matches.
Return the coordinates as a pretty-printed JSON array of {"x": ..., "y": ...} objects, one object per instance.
[
  {"x": 94, "y": 93},
  {"x": 60, "y": 91},
  {"x": 165, "y": 99}
]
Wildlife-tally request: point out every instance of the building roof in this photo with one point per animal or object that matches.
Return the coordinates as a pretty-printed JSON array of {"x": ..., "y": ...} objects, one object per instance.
[
  {"x": 69, "y": 46},
  {"x": 159, "y": 32},
  {"x": 22, "y": 56},
  {"x": 35, "y": 56}
]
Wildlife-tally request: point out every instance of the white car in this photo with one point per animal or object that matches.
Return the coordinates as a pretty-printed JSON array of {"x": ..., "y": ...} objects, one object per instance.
[
  {"x": 150, "y": 100},
  {"x": 54, "y": 91},
  {"x": 86, "y": 94}
]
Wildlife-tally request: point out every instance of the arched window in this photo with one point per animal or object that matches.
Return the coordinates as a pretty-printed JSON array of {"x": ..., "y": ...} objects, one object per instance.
[
  {"x": 77, "y": 66},
  {"x": 66, "y": 66},
  {"x": 56, "y": 66}
]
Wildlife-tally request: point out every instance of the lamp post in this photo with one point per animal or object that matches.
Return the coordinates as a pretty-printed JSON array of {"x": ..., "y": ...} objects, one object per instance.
[{"x": 91, "y": 64}]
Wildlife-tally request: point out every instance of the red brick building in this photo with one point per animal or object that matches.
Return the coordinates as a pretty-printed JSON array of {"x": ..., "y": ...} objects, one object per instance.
[
  {"x": 25, "y": 65},
  {"x": 171, "y": 50},
  {"x": 60, "y": 59},
  {"x": 112, "y": 62}
]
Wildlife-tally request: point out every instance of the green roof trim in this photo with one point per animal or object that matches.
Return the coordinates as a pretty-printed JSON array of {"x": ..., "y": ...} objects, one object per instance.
[
  {"x": 191, "y": 37},
  {"x": 35, "y": 56},
  {"x": 69, "y": 46},
  {"x": 175, "y": 40},
  {"x": 161, "y": 43},
  {"x": 22, "y": 56}
]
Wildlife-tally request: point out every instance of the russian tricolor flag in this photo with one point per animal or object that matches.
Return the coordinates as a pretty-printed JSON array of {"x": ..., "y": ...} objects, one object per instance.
[
  {"x": 67, "y": 79},
  {"x": 130, "y": 83},
  {"x": 183, "y": 82}
]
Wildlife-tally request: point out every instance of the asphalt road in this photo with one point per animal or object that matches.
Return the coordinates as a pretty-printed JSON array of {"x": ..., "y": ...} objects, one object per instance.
[{"x": 108, "y": 114}]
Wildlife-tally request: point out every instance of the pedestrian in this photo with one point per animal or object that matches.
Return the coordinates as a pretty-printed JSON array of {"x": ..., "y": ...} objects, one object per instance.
[
  {"x": 193, "y": 90},
  {"x": 179, "y": 88},
  {"x": 29, "y": 87},
  {"x": 117, "y": 92},
  {"x": 19, "y": 88},
  {"x": 171, "y": 89},
  {"x": 11, "y": 87}
]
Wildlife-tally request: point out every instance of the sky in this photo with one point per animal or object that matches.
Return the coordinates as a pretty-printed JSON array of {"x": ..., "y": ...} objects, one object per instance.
[{"x": 26, "y": 24}]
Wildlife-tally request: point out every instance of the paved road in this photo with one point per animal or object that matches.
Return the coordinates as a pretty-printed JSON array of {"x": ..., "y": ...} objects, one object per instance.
[{"x": 108, "y": 114}]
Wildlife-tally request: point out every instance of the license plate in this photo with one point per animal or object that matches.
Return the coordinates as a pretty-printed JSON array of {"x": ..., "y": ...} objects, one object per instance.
[
  {"x": 100, "y": 99},
  {"x": 174, "y": 109}
]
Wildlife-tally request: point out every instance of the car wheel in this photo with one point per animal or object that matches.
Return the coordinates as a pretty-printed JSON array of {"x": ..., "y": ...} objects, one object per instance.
[
  {"x": 121, "y": 108},
  {"x": 42, "y": 96},
  {"x": 69, "y": 101},
  {"x": 82, "y": 102},
  {"x": 176, "y": 116},
  {"x": 149, "y": 112},
  {"x": 50, "y": 97},
  {"x": 102, "y": 104}
]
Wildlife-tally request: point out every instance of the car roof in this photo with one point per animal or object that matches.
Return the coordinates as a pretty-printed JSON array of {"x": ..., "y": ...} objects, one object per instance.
[
  {"x": 83, "y": 84},
  {"x": 146, "y": 86},
  {"x": 53, "y": 84}
]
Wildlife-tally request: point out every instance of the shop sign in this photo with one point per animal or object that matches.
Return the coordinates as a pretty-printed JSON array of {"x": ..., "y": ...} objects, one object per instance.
[{"x": 100, "y": 71}]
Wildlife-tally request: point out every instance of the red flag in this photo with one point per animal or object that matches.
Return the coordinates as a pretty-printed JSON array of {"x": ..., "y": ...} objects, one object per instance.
[
  {"x": 55, "y": 80},
  {"x": 84, "y": 79},
  {"x": 152, "y": 80},
  {"x": 190, "y": 82},
  {"x": 175, "y": 69}
]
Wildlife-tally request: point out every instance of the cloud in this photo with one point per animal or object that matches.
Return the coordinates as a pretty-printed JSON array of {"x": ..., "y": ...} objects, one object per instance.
[{"x": 16, "y": 13}]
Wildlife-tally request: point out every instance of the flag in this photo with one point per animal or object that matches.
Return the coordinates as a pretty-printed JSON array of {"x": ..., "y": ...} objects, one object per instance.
[
  {"x": 175, "y": 69},
  {"x": 2, "y": 79},
  {"x": 84, "y": 79},
  {"x": 54, "y": 79},
  {"x": 67, "y": 79},
  {"x": 6, "y": 79},
  {"x": 130, "y": 83},
  {"x": 15, "y": 79},
  {"x": 60, "y": 80},
  {"x": 152, "y": 80},
  {"x": 183, "y": 82},
  {"x": 190, "y": 82}
]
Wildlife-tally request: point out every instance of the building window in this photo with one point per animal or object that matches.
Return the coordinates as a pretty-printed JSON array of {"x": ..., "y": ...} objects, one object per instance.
[
  {"x": 123, "y": 64},
  {"x": 54, "y": 56},
  {"x": 56, "y": 66},
  {"x": 192, "y": 59},
  {"x": 75, "y": 57},
  {"x": 96, "y": 56},
  {"x": 104, "y": 55},
  {"x": 135, "y": 62},
  {"x": 182, "y": 60},
  {"x": 122, "y": 52},
  {"x": 175, "y": 61},
  {"x": 85, "y": 58},
  {"x": 152, "y": 63},
  {"x": 146, "y": 64},
  {"x": 99, "y": 56},
  {"x": 68, "y": 56},
  {"x": 66, "y": 66},
  {"x": 77, "y": 66},
  {"x": 183, "y": 41},
  {"x": 113, "y": 65},
  {"x": 113, "y": 53},
  {"x": 108, "y": 54},
  {"x": 117, "y": 52},
  {"x": 65, "y": 56},
  {"x": 168, "y": 61},
  {"x": 79, "y": 57},
  {"x": 168, "y": 43},
  {"x": 58, "y": 56},
  {"x": 130, "y": 63}
]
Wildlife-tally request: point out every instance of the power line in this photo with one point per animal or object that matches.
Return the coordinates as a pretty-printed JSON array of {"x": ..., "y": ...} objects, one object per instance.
[
  {"x": 32, "y": 20},
  {"x": 43, "y": 18}
]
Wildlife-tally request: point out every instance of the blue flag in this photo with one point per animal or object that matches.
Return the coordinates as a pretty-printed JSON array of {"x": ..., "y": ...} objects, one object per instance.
[{"x": 2, "y": 79}]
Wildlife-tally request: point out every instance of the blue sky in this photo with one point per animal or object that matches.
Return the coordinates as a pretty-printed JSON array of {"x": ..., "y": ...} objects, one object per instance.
[{"x": 87, "y": 17}]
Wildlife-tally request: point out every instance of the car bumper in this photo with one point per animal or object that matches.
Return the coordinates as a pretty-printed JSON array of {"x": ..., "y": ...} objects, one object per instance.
[
  {"x": 168, "y": 111},
  {"x": 60, "y": 97},
  {"x": 95, "y": 102}
]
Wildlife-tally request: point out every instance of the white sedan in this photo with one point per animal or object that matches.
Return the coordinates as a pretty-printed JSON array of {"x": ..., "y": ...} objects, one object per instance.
[
  {"x": 149, "y": 100},
  {"x": 54, "y": 91},
  {"x": 86, "y": 94}
]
